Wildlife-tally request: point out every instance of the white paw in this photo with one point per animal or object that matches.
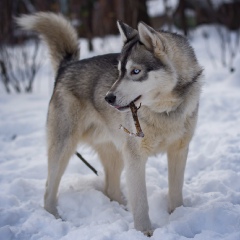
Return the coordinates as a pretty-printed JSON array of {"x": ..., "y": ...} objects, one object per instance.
[{"x": 148, "y": 233}]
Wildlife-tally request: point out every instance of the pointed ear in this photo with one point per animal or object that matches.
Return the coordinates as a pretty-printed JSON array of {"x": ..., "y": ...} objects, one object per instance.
[
  {"x": 126, "y": 31},
  {"x": 150, "y": 38}
]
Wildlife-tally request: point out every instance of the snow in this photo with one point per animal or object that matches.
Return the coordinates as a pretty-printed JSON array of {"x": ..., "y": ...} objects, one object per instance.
[
  {"x": 156, "y": 7},
  {"x": 212, "y": 180}
]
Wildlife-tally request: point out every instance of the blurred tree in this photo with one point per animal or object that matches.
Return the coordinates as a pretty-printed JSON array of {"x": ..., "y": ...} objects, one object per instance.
[
  {"x": 19, "y": 66},
  {"x": 107, "y": 12},
  {"x": 6, "y": 27},
  {"x": 98, "y": 18},
  {"x": 86, "y": 14},
  {"x": 183, "y": 20},
  {"x": 64, "y": 6},
  {"x": 135, "y": 11}
]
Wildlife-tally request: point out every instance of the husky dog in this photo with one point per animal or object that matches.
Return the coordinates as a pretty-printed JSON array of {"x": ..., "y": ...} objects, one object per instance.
[{"x": 91, "y": 98}]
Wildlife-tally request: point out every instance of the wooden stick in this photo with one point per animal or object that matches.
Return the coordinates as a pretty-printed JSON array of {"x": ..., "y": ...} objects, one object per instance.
[{"x": 134, "y": 110}]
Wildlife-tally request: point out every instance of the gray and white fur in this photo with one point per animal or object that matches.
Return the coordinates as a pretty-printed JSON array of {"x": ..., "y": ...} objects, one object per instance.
[{"x": 91, "y": 99}]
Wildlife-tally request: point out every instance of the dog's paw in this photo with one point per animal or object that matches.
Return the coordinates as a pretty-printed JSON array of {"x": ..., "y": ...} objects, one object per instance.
[
  {"x": 118, "y": 198},
  {"x": 53, "y": 211},
  {"x": 148, "y": 233},
  {"x": 57, "y": 216},
  {"x": 170, "y": 210}
]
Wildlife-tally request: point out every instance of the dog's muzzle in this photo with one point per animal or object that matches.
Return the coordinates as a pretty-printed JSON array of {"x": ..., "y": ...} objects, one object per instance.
[{"x": 111, "y": 99}]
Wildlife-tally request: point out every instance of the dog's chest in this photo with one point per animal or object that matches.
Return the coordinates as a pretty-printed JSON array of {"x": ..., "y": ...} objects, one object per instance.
[{"x": 160, "y": 134}]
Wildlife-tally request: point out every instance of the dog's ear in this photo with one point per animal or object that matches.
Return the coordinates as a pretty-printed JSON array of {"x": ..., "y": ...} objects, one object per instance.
[
  {"x": 150, "y": 38},
  {"x": 126, "y": 31}
]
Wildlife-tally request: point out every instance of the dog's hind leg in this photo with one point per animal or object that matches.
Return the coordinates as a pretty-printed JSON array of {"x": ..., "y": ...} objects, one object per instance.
[
  {"x": 113, "y": 165},
  {"x": 62, "y": 143},
  {"x": 177, "y": 156},
  {"x": 56, "y": 166}
]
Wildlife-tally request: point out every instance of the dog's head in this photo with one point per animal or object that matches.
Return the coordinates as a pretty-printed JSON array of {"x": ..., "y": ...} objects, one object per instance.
[{"x": 146, "y": 74}]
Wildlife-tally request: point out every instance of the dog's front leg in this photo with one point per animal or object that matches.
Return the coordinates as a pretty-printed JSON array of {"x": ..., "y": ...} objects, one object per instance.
[
  {"x": 136, "y": 186},
  {"x": 177, "y": 156}
]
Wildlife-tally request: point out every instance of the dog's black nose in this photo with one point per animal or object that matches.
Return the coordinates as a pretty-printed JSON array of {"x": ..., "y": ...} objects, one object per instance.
[{"x": 110, "y": 98}]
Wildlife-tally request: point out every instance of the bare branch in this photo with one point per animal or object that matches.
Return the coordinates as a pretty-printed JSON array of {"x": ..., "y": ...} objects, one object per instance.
[{"x": 134, "y": 110}]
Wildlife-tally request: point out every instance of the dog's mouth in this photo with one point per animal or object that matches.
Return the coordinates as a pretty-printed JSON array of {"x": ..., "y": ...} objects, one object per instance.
[{"x": 122, "y": 108}]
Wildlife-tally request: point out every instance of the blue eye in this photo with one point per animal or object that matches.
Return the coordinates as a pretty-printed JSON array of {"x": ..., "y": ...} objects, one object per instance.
[{"x": 135, "y": 71}]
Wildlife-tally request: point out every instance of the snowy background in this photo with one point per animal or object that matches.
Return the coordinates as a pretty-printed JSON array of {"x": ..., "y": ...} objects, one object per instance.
[{"x": 212, "y": 179}]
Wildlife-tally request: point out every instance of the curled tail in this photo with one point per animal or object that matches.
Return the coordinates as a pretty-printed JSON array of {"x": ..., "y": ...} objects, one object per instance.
[{"x": 57, "y": 32}]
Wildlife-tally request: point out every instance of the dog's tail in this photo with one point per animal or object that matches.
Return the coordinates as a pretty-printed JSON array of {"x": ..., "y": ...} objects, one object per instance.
[{"x": 57, "y": 32}]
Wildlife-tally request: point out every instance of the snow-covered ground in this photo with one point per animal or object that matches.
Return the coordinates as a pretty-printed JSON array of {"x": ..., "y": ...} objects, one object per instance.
[{"x": 212, "y": 180}]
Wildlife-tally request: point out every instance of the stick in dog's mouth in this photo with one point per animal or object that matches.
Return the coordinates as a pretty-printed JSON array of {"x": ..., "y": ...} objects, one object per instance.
[{"x": 134, "y": 110}]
